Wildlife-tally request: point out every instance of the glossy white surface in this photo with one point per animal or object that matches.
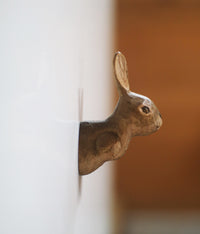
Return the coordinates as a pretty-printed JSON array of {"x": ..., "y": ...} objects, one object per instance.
[
  {"x": 94, "y": 210},
  {"x": 39, "y": 98},
  {"x": 48, "y": 50}
]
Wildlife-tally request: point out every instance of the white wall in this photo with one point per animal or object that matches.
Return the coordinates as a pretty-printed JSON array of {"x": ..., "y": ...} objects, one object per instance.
[{"x": 48, "y": 50}]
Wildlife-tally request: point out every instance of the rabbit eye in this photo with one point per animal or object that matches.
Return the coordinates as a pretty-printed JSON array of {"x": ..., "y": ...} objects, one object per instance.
[{"x": 145, "y": 109}]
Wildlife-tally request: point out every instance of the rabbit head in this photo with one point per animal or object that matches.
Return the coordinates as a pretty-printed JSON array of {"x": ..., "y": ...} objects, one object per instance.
[{"x": 138, "y": 112}]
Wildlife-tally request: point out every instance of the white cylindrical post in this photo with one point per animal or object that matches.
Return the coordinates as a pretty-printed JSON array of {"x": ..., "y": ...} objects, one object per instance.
[
  {"x": 49, "y": 49},
  {"x": 39, "y": 82}
]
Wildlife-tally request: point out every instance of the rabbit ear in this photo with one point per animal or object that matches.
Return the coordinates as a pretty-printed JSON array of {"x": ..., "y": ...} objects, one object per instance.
[{"x": 121, "y": 73}]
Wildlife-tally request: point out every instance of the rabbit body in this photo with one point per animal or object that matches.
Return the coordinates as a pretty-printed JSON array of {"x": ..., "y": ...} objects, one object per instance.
[{"x": 134, "y": 115}]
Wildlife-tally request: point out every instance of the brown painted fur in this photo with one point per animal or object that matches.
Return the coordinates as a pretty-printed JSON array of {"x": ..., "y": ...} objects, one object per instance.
[{"x": 134, "y": 115}]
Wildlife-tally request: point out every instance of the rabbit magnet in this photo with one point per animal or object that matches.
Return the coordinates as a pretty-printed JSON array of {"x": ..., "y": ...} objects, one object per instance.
[{"x": 134, "y": 115}]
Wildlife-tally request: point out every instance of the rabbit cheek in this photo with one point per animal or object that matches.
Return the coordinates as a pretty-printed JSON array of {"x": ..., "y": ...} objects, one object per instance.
[
  {"x": 147, "y": 130},
  {"x": 148, "y": 126}
]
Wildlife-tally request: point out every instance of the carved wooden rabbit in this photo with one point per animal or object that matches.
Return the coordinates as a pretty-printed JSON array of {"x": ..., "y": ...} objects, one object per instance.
[{"x": 134, "y": 115}]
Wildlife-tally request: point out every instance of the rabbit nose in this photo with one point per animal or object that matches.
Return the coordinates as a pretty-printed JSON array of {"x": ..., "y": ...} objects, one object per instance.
[
  {"x": 159, "y": 122},
  {"x": 157, "y": 127}
]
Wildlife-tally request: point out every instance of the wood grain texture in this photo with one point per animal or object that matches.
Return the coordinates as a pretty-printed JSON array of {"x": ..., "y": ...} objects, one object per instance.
[{"x": 109, "y": 139}]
